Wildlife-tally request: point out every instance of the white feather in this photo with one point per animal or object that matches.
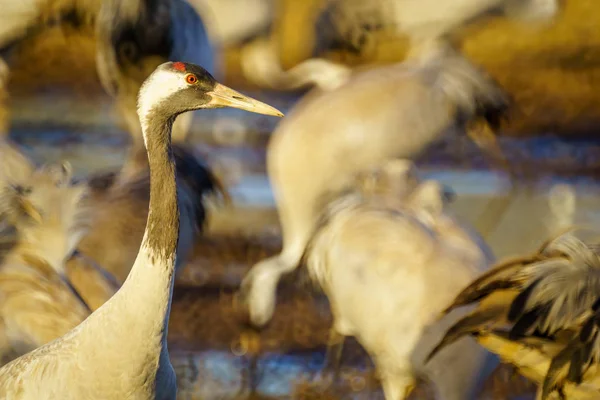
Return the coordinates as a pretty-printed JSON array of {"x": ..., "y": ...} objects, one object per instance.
[{"x": 156, "y": 89}]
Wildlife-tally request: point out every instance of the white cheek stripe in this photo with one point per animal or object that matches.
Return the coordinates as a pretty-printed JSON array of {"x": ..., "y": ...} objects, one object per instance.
[{"x": 158, "y": 87}]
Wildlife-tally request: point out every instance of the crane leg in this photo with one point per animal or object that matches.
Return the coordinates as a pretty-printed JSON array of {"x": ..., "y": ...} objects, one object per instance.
[
  {"x": 257, "y": 294},
  {"x": 249, "y": 347},
  {"x": 397, "y": 381},
  {"x": 333, "y": 355},
  {"x": 330, "y": 372}
]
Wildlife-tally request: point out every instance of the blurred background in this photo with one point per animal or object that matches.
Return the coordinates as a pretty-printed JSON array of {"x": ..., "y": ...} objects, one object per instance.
[{"x": 59, "y": 111}]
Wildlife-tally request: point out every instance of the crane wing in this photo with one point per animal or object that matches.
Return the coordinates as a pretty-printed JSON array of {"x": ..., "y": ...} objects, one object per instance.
[{"x": 548, "y": 302}]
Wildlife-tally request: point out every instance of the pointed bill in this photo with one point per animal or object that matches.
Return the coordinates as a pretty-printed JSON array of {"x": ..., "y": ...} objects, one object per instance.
[{"x": 222, "y": 96}]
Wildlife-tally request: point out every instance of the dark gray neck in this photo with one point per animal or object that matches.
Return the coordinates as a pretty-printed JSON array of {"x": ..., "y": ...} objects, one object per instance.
[
  {"x": 163, "y": 216},
  {"x": 140, "y": 309}
]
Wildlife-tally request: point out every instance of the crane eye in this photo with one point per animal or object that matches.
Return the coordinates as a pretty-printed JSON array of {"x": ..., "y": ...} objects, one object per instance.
[{"x": 191, "y": 79}]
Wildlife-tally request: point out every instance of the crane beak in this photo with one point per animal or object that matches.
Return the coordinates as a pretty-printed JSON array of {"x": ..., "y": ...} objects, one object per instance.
[{"x": 222, "y": 96}]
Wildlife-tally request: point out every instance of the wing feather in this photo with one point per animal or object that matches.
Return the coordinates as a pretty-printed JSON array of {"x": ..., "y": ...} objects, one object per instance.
[
  {"x": 555, "y": 308},
  {"x": 501, "y": 277}
]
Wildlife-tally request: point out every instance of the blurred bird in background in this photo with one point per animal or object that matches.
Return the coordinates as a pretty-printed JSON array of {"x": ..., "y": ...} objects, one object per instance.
[
  {"x": 429, "y": 26},
  {"x": 389, "y": 258},
  {"x": 539, "y": 312},
  {"x": 132, "y": 37},
  {"x": 119, "y": 210},
  {"x": 394, "y": 111},
  {"x": 42, "y": 218}
]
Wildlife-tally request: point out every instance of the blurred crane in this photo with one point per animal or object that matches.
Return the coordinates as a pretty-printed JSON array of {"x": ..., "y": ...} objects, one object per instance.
[
  {"x": 394, "y": 111},
  {"x": 42, "y": 218},
  {"x": 133, "y": 38},
  {"x": 116, "y": 215},
  {"x": 389, "y": 260},
  {"x": 539, "y": 312}
]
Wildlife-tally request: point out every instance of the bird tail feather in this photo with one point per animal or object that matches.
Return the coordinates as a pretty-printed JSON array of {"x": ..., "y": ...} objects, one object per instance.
[
  {"x": 470, "y": 324},
  {"x": 474, "y": 94}
]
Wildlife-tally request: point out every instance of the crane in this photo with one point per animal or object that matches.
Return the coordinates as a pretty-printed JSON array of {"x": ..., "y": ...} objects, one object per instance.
[
  {"x": 389, "y": 257},
  {"x": 89, "y": 360},
  {"x": 394, "y": 111},
  {"x": 428, "y": 25}
]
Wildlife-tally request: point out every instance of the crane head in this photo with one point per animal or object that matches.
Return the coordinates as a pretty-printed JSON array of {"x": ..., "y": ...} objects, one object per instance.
[{"x": 177, "y": 87}]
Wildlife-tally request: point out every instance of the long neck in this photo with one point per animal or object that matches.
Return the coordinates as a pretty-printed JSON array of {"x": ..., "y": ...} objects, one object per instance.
[
  {"x": 162, "y": 227},
  {"x": 146, "y": 294}
]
